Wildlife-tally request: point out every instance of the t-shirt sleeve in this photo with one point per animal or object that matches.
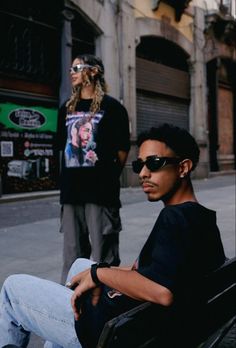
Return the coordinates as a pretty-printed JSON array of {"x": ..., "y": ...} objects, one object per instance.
[
  {"x": 60, "y": 138},
  {"x": 168, "y": 252},
  {"x": 121, "y": 128}
]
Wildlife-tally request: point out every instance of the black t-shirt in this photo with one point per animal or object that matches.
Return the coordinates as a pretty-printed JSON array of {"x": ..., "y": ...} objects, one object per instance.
[
  {"x": 184, "y": 244},
  {"x": 182, "y": 248},
  {"x": 90, "y": 143}
]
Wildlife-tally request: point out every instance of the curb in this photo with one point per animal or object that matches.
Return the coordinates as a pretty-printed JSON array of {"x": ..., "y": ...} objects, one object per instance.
[
  {"x": 7, "y": 198},
  {"x": 28, "y": 196}
]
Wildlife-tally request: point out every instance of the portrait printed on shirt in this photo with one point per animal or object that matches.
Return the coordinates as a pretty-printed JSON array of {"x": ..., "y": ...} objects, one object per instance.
[{"x": 80, "y": 150}]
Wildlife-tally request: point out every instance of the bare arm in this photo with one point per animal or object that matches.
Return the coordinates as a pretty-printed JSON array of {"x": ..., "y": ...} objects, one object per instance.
[
  {"x": 135, "y": 285},
  {"x": 122, "y": 157},
  {"x": 128, "y": 282}
]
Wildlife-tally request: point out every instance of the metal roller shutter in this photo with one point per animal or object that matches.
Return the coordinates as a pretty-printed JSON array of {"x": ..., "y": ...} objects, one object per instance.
[
  {"x": 162, "y": 95},
  {"x": 153, "y": 109}
]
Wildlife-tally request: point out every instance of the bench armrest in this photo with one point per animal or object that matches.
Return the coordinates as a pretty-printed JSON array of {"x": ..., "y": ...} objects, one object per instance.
[{"x": 134, "y": 328}]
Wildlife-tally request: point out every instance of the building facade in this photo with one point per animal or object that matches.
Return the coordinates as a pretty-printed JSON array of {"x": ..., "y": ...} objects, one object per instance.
[
  {"x": 165, "y": 60},
  {"x": 29, "y": 83}
]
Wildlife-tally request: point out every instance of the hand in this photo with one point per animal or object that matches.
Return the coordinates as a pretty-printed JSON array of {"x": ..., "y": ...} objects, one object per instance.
[{"x": 82, "y": 283}]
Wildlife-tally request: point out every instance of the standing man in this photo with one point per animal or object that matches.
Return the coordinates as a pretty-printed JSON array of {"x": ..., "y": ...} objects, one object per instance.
[{"x": 89, "y": 186}]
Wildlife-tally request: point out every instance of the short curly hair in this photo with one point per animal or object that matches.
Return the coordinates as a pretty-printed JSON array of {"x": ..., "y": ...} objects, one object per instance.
[{"x": 177, "y": 139}]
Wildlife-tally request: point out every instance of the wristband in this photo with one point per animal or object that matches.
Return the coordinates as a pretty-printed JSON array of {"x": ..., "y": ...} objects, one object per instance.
[{"x": 93, "y": 271}]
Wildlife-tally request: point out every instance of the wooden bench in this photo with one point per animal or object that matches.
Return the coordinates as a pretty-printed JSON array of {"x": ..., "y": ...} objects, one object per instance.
[{"x": 137, "y": 329}]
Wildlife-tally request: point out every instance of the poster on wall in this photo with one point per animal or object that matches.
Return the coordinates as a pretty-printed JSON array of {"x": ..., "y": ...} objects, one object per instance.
[{"x": 27, "y": 137}]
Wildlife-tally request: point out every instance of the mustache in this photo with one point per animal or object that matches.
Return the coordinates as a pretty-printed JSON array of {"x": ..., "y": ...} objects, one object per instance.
[{"x": 146, "y": 181}]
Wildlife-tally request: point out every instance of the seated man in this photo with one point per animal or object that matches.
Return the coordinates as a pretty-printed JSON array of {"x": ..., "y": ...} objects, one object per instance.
[{"x": 183, "y": 246}]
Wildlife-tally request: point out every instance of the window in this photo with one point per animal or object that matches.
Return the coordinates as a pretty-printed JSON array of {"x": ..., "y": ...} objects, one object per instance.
[{"x": 228, "y": 7}]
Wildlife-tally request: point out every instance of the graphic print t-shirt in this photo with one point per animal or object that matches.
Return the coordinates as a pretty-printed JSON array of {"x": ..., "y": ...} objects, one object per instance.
[
  {"x": 90, "y": 144},
  {"x": 80, "y": 150}
]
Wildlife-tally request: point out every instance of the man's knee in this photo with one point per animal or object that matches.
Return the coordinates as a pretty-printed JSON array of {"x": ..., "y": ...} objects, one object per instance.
[
  {"x": 8, "y": 288},
  {"x": 16, "y": 283},
  {"x": 10, "y": 281},
  {"x": 79, "y": 265}
]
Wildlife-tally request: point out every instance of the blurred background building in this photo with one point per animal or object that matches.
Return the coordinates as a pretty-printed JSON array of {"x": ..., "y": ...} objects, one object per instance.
[{"x": 166, "y": 61}]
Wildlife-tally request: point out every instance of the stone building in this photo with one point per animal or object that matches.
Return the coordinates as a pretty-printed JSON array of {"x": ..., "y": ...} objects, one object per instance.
[{"x": 166, "y": 61}]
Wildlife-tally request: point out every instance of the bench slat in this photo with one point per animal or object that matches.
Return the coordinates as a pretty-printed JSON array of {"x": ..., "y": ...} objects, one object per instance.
[{"x": 217, "y": 337}]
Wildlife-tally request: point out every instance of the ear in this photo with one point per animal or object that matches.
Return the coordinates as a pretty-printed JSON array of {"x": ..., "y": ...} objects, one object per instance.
[
  {"x": 185, "y": 167},
  {"x": 94, "y": 71}
]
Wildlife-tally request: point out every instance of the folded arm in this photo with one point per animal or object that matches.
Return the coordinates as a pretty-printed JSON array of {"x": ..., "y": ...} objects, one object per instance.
[{"x": 128, "y": 282}]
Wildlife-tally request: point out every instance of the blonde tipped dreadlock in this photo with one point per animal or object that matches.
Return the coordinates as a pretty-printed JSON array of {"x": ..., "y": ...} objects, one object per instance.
[
  {"x": 74, "y": 99},
  {"x": 98, "y": 95},
  {"x": 100, "y": 88}
]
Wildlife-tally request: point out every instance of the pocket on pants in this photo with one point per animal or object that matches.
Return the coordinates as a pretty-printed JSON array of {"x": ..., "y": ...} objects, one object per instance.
[
  {"x": 111, "y": 220},
  {"x": 61, "y": 214}
]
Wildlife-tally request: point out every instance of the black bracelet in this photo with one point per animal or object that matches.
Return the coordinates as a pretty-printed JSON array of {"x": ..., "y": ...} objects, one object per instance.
[{"x": 93, "y": 271}]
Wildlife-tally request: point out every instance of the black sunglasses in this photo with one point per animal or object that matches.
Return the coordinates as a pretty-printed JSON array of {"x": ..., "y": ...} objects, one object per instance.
[{"x": 153, "y": 163}]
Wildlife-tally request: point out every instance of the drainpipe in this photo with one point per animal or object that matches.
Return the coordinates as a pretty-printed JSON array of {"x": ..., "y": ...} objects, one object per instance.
[
  {"x": 198, "y": 110},
  {"x": 66, "y": 56}
]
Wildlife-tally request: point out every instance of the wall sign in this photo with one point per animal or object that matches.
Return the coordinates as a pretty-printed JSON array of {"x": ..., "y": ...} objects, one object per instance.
[{"x": 27, "y": 137}]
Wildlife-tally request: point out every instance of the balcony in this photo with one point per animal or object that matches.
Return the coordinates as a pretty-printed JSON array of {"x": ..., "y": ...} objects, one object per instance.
[
  {"x": 179, "y": 6},
  {"x": 227, "y": 7},
  {"x": 222, "y": 25}
]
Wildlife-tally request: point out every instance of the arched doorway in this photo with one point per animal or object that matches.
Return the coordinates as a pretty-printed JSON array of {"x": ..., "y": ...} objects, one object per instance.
[
  {"x": 221, "y": 80},
  {"x": 163, "y": 83}
]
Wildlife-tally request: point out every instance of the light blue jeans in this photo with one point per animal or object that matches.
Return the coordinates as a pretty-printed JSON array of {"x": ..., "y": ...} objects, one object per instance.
[{"x": 30, "y": 304}]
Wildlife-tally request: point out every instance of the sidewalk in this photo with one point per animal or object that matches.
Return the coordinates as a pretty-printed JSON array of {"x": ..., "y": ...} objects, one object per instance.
[{"x": 36, "y": 247}]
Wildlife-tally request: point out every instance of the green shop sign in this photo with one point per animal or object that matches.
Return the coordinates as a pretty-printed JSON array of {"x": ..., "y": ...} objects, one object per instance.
[{"x": 22, "y": 118}]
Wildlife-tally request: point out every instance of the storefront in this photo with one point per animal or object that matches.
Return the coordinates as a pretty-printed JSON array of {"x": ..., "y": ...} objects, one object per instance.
[
  {"x": 221, "y": 82},
  {"x": 37, "y": 45},
  {"x": 222, "y": 114},
  {"x": 28, "y": 160},
  {"x": 29, "y": 86}
]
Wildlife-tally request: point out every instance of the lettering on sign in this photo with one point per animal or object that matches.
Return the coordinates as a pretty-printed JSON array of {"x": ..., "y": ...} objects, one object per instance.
[{"x": 27, "y": 118}]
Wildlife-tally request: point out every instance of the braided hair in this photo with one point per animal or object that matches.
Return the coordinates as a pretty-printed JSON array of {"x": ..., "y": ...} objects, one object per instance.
[{"x": 100, "y": 86}]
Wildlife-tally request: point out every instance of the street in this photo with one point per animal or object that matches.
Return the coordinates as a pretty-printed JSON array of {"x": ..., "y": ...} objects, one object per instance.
[
  {"x": 80, "y": 81},
  {"x": 31, "y": 242}
]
